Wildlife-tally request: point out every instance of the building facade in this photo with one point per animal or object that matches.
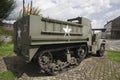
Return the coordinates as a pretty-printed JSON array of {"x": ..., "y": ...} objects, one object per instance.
[{"x": 113, "y": 29}]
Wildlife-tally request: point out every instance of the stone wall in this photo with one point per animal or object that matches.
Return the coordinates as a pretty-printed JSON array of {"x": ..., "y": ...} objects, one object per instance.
[{"x": 6, "y": 39}]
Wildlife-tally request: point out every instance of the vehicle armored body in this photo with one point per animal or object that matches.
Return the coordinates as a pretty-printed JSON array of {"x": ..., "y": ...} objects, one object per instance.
[{"x": 55, "y": 44}]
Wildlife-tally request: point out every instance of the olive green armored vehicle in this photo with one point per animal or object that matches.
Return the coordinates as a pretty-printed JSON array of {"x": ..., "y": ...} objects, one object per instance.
[{"x": 55, "y": 44}]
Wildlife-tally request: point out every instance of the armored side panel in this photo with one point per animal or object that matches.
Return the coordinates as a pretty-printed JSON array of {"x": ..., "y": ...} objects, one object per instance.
[
  {"x": 87, "y": 30},
  {"x": 22, "y": 38},
  {"x": 50, "y": 31}
]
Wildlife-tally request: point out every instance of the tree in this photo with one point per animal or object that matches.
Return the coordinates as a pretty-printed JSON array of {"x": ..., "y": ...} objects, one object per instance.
[
  {"x": 36, "y": 11},
  {"x": 6, "y": 6}
]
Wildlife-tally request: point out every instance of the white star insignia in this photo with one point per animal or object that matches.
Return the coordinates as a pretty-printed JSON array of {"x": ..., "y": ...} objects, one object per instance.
[
  {"x": 19, "y": 33},
  {"x": 67, "y": 30}
]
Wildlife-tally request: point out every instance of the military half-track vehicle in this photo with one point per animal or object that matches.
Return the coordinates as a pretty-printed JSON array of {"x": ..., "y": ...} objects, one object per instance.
[{"x": 55, "y": 44}]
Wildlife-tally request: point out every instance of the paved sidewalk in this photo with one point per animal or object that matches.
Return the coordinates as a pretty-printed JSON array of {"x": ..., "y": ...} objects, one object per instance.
[{"x": 113, "y": 45}]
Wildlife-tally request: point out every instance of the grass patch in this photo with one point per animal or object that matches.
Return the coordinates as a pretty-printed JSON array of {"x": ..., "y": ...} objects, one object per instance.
[
  {"x": 114, "y": 55},
  {"x": 5, "y": 32},
  {"x": 6, "y": 50},
  {"x": 7, "y": 75}
]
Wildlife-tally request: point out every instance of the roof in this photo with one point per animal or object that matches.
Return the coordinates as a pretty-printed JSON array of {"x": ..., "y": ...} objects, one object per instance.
[{"x": 112, "y": 20}]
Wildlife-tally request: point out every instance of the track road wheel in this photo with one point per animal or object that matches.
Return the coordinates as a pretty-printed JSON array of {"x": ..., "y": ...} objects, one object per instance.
[
  {"x": 82, "y": 52},
  {"x": 101, "y": 51},
  {"x": 44, "y": 60},
  {"x": 54, "y": 69}
]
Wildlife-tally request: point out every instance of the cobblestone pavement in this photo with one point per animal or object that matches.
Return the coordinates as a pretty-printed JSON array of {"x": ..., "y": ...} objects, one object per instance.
[{"x": 91, "y": 68}]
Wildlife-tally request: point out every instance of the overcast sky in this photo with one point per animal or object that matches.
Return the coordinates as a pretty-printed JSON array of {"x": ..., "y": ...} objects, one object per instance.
[{"x": 98, "y": 11}]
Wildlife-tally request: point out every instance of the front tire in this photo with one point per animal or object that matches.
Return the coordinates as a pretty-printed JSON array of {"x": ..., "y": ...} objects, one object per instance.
[{"x": 101, "y": 51}]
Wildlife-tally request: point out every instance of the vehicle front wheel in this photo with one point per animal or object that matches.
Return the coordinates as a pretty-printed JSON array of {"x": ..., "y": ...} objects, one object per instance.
[{"x": 101, "y": 51}]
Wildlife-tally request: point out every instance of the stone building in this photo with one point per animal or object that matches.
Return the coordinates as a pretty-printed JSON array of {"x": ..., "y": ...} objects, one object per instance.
[{"x": 113, "y": 29}]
